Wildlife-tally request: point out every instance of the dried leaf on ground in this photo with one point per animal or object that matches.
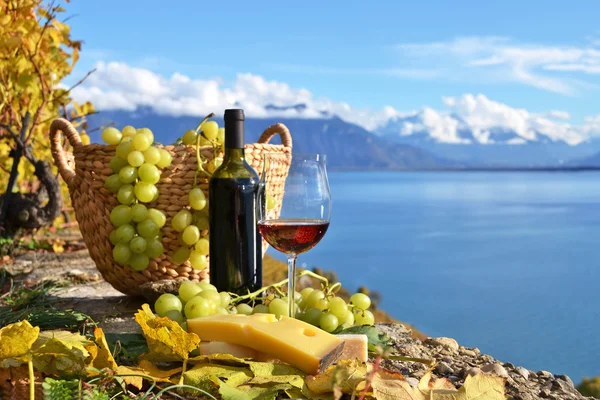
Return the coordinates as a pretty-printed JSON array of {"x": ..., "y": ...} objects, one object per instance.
[
  {"x": 204, "y": 376},
  {"x": 269, "y": 373},
  {"x": 131, "y": 376},
  {"x": 167, "y": 341},
  {"x": 16, "y": 341},
  {"x": 427, "y": 384},
  {"x": 477, "y": 387},
  {"x": 101, "y": 356}
]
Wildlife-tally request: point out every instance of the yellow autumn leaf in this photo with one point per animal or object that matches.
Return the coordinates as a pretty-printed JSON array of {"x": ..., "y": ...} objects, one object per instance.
[
  {"x": 427, "y": 384},
  {"x": 131, "y": 376},
  {"x": 159, "y": 374},
  {"x": 346, "y": 374},
  {"x": 167, "y": 341},
  {"x": 58, "y": 246},
  {"x": 57, "y": 352},
  {"x": 16, "y": 341},
  {"x": 103, "y": 358},
  {"x": 387, "y": 385},
  {"x": 477, "y": 387}
]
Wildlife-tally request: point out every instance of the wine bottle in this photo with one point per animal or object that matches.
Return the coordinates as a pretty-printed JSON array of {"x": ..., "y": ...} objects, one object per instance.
[{"x": 234, "y": 193}]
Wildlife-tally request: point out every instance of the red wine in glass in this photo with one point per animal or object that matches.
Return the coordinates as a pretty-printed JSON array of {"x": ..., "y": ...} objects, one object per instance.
[{"x": 293, "y": 235}]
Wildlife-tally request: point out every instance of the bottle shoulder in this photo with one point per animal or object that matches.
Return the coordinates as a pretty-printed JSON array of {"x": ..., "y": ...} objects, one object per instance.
[{"x": 235, "y": 169}]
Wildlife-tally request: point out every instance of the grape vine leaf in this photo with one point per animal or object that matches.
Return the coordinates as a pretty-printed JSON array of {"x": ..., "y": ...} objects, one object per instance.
[
  {"x": 167, "y": 341},
  {"x": 476, "y": 387},
  {"x": 270, "y": 373},
  {"x": 57, "y": 352},
  {"x": 16, "y": 341},
  {"x": 131, "y": 376},
  {"x": 204, "y": 376}
]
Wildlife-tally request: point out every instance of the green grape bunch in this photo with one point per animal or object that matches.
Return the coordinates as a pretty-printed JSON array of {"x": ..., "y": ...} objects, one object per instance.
[
  {"x": 136, "y": 168},
  {"x": 319, "y": 307}
]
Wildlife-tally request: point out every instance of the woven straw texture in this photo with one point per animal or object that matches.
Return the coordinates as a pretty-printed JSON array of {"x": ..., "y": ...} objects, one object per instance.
[{"x": 87, "y": 167}]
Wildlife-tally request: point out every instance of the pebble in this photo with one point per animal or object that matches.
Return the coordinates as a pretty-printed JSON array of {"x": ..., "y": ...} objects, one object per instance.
[
  {"x": 473, "y": 371},
  {"x": 414, "y": 382},
  {"x": 523, "y": 372},
  {"x": 469, "y": 353},
  {"x": 495, "y": 369},
  {"x": 545, "y": 374},
  {"x": 443, "y": 369},
  {"x": 449, "y": 343},
  {"x": 566, "y": 379}
]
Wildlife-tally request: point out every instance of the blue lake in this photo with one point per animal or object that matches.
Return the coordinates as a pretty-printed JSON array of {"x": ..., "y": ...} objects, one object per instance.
[{"x": 506, "y": 262}]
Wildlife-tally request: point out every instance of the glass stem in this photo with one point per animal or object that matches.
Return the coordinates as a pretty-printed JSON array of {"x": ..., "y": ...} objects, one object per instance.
[{"x": 291, "y": 284}]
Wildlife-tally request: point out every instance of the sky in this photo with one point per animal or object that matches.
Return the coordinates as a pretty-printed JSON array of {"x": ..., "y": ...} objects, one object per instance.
[{"x": 367, "y": 62}]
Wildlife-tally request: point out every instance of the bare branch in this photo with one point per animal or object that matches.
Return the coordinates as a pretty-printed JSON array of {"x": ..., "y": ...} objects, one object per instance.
[{"x": 38, "y": 112}]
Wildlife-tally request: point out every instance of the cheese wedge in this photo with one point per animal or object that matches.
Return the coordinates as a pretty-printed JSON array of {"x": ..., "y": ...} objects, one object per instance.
[
  {"x": 293, "y": 341},
  {"x": 356, "y": 346}
]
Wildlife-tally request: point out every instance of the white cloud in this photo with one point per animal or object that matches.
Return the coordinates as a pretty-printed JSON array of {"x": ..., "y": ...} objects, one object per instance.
[
  {"x": 500, "y": 58},
  {"x": 117, "y": 85}
]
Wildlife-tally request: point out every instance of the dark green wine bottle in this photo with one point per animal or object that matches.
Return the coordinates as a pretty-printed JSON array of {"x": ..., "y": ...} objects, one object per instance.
[{"x": 234, "y": 191}]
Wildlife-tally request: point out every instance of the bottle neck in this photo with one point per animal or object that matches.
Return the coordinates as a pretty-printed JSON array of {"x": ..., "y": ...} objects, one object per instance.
[{"x": 235, "y": 155}]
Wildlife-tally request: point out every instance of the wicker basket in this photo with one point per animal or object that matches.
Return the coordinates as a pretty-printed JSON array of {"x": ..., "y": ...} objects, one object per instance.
[{"x": 86, "y": 169}]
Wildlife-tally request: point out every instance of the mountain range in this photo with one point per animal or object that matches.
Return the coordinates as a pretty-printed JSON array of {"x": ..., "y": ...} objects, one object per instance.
[{"x": 407, "y": 142}]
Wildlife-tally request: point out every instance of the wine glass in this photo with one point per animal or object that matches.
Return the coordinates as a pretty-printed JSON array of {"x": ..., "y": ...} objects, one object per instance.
[{"x": 305, "y": 211}]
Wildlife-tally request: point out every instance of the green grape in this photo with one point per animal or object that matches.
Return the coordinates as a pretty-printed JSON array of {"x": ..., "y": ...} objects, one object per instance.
[
  {"x": 313, "y": 297},
  {"x": 213, "y": 305},
  {"x": 152, "y": 155},
  {"x": 221, "y": 136},
  {"x": 154, "y": 248},
  {"x": 145, "y": 192},
  {"x": 181, "y": 255},
  {"x": 338, "y": 307},
  {"x": 206, "y": 286},
  {"x": 139, "y": 212},
  {"x": 181, "y": 220},
  {"x": 113, "y": 183},
  {"x": 202, "y": 247},
  {"x": 305, "y": 293},
  {"x": 211, "y": 295},
  {"x": 111, "y": 136},
  {"x": 322, "y": 304},
  {"x": 126, "y": 195},
  {"x": 221, "y": 310},
  {"x": 198, "y": 261},
  {"x": 210, "y": 129},
  {"x": 120, "y": 215},
  {"x": 189, "y": 138},
  {"x": 128, "y": 174},
  {"x": 271, "y": 202},
  {"x": 167, "y": 302},
  {"x": 297, "y": 297},
  {"x": 113, "y": 237},
  {"x": 184, "y": 327},
  {"x": 328, "y": 322},
  {"x": 149, "y": 173},
  {"x": 116, "y": 164},
  {"x": 138, "y": 244},
  {"x": 313, "y": 316},
  {"x": 364, "y": 317},
  {"x": 139, "y": 262},
  {"x": 147, "y": 229},
  {"x": 123, "y": 149},
  {"x": 175, "y": 315},
  {"x": 121, "y": 253},
  {"x": 157, "y": 216},
  {"x": 197, "y": 307},
  {"x": 165, "y": 159},
  {"x": 244, "y": 309},
  {"x": 200, "y": 220},
  {"x": 349, "y": 318},
  {"x": 124, "y": 233},
  {"x": 197, "y": 199},
  {"x": 187, "y": 290},
  {"x": 225, "y": 299},
  {"x": 360, "y": 300},
  {"x": 190, "y": 235},
  {"x": 135, "y": 158},
  {"x": 128, "y": 131},
  {"x": 147, "y": 132},
  {"x": 260, "y": 309},
  {"x": 278, "y": 307},
  {"x": 232, "y": 310},
  {"x": 141, "y": 142}
]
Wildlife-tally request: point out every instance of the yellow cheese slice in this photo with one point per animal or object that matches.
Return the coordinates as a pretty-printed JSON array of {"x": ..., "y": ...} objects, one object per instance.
[
  {"x": 293, "y": 341},
  {"x": 356, "y": 346}
]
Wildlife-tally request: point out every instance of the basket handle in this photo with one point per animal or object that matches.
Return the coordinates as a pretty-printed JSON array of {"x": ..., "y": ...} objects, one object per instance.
[
  {"x": 58, "y": 153},
  {"x": 278, "y": 128}
]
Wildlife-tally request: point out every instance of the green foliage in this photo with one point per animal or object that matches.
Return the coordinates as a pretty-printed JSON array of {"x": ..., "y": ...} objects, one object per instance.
[
  {"x": 590, "y": 386},
  {"x": 57, "y": 389}
]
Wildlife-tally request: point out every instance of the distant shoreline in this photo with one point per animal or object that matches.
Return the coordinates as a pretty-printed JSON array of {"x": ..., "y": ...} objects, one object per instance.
[{"x": 465, "y": 169}]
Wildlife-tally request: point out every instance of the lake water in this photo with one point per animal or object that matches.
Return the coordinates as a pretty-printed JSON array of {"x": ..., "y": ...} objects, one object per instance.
[{"x": 506, "y": 262}]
